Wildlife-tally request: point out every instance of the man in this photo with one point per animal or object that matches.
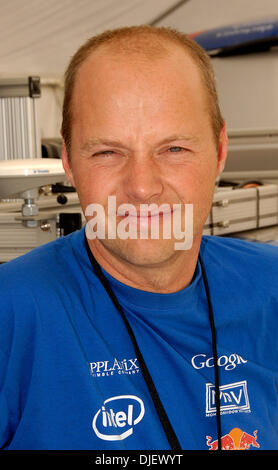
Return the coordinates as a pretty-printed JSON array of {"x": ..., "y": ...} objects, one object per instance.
[{"x": 129, "y": 343}]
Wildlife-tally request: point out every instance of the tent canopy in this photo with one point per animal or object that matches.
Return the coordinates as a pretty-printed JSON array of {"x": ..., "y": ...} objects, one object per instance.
[{"x": 38, "y": 37}]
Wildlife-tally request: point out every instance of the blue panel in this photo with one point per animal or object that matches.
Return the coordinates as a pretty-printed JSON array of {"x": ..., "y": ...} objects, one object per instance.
[{"x": 236, "y": 35}]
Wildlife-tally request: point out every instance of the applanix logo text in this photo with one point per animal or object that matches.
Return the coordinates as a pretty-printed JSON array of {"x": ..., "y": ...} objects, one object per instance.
[
  {"x": 117, "y": 417},
  {"x": 113, "y": 367},
  {"x": 233, "y": 398}
]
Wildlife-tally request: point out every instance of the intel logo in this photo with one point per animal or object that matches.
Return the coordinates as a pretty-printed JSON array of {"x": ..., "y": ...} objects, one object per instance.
[{"x": 116, "y": 418}]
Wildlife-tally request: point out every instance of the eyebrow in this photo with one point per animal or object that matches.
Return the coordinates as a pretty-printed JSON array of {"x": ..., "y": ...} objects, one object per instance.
[
  {"x": 91, "y": 142},
  {"x": 115, "y": 143},
  {"x": 187, "y": 137}
]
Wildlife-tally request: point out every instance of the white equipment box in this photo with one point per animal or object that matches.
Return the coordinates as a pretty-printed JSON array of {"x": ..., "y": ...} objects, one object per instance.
[
  {"x": 237, "y": 210},
  {"x": 233, "y": 211},
  {"x": 18, "y": 235}
]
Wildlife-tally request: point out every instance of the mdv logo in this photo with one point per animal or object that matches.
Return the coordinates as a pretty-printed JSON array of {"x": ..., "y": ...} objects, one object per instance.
[
  {"x": 117, "y": 417},
  {"x": 233, "y": 398}
]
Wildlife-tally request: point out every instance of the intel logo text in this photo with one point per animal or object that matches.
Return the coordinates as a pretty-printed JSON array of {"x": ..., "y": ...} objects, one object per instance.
[{"x": 116, "y": 418}]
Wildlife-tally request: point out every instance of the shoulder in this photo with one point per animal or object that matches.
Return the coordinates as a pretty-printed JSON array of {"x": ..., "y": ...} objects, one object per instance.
[
  {"x": 31, "y": 285},
  {"x": 236, "y": 249},
  {"x": 249, "y": 263},
  {"x": 39, "y": 265}
]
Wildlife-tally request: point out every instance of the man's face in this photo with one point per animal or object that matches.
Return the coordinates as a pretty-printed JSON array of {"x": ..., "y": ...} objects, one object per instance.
[{"x": 141, "y": 132}]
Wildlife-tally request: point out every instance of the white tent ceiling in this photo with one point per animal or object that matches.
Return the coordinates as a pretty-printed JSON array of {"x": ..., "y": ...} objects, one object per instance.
[
  {"x": 196, "y": 15},
  {"x": 39, "y": 36}
]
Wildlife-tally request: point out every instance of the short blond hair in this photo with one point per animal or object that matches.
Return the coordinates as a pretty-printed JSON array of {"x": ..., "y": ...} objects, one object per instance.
[{"x": 127, "y": 39}]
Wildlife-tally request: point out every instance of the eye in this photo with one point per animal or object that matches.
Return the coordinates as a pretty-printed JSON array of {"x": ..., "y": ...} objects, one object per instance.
[
  {"x": 176, "y": 149},
  {"x": 104, "y": 152}
]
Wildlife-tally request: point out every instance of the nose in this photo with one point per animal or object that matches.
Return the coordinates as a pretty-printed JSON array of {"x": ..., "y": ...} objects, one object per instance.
[{"x": 142, "y": 181}]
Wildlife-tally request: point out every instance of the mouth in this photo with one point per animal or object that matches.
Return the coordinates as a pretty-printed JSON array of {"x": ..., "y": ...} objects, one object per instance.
[{"x": 144, "y": 215}]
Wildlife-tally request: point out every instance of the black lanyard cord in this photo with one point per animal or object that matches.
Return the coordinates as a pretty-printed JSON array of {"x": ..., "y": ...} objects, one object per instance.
[
  {"x": 168, "y": 429},
  {"x": 215, "y": 356},
  {"x": 165, "y": 422}
]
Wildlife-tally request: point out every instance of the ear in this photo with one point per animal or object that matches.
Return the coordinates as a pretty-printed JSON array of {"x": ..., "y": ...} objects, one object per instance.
[
  {"x": 222, "y": 150},
  {"x": 66, "y": 164}
]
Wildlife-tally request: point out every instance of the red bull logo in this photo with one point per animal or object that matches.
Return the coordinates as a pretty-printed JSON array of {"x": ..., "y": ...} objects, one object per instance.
[{"x": 235, "y": 440}]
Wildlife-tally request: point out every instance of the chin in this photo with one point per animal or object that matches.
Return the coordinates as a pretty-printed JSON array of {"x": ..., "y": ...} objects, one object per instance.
[{"x": 141, "y": 252}]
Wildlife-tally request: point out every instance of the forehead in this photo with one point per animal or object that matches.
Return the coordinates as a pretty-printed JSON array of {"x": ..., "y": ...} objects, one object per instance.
[
  {"x": 159, "y": 64},
  {"x": 138, "y": 95}
]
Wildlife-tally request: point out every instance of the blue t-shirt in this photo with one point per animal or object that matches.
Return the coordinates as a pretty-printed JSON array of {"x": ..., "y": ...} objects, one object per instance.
[{"x": 69, "y": 378}]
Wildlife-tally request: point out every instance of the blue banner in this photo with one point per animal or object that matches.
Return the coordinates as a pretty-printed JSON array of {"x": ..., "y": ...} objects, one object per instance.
[{"x": 238, "y": 35}]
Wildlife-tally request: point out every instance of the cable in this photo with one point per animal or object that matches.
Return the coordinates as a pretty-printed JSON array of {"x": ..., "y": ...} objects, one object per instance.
[
  {"x": 215, "y": 356},
  {"x": 168, "y": 429}
]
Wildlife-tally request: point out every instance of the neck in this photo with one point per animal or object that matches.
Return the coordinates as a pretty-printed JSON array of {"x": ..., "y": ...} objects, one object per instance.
[{"x": 168, "y": 276}]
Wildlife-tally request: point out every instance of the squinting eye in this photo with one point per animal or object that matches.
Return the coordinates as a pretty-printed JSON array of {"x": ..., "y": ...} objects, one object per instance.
[
  {"x": 175, "y": 149},
  {"x": 104, "y": 152}
]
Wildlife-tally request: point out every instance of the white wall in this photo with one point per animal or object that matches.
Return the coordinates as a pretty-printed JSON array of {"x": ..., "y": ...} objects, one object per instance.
[
  {"x": 50, "y": 108},
  {"x": 248, "y": 91}
]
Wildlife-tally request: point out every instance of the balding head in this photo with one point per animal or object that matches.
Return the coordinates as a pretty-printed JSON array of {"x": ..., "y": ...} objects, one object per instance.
[{"x": 145, "y": 43}]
